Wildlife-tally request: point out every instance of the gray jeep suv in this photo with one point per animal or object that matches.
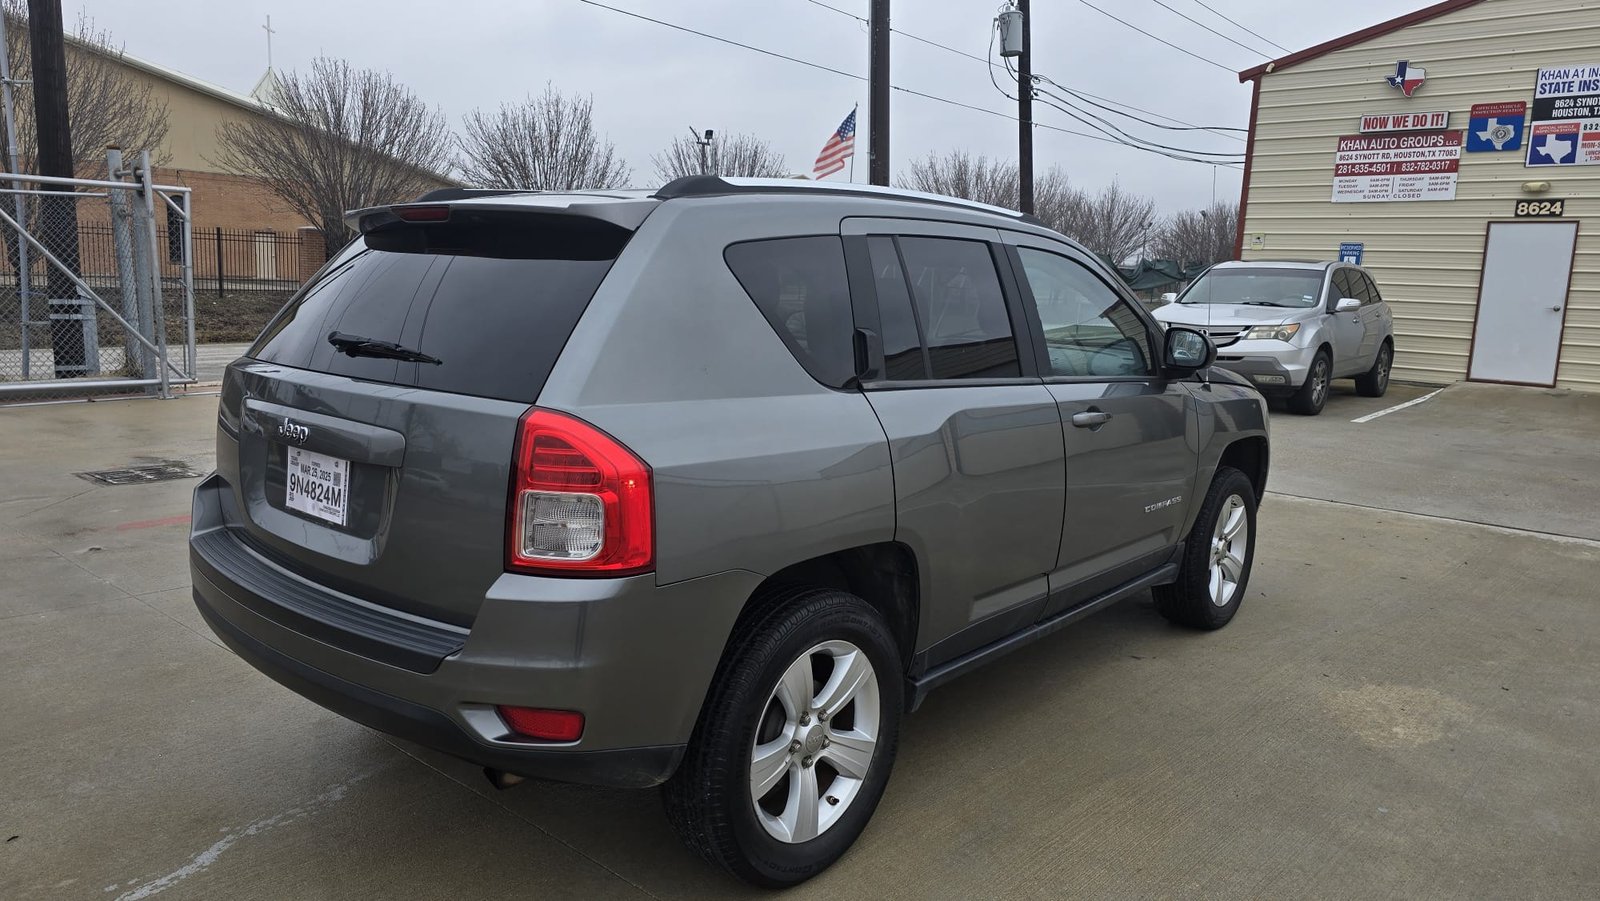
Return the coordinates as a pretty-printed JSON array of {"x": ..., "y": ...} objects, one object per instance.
[{"x": 708, "y": 486}]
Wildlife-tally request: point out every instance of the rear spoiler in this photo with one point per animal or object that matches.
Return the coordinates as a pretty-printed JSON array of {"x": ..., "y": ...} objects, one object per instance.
[{"x": 458, "y": 204}]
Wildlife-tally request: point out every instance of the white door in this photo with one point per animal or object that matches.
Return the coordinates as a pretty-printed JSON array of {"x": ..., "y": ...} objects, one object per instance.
[
  {"x": 1522, "y": 302},
  {"x": 266, "y": 255}
]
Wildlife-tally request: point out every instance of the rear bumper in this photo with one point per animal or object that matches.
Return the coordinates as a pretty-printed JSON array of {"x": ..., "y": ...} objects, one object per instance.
[
  {"x": 624, "y": 767},
  {"x": 634, "y": 657}
]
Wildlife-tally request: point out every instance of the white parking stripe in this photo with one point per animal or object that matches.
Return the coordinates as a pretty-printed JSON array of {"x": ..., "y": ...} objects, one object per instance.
[{"x": 1387, "y": 410}]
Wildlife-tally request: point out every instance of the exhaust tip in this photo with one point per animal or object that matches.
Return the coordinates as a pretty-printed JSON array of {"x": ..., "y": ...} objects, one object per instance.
[{"x": 503, "y": 780}]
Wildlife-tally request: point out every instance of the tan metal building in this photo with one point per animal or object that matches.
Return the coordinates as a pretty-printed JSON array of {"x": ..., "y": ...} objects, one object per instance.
[{"x": 1459, "y": 146}]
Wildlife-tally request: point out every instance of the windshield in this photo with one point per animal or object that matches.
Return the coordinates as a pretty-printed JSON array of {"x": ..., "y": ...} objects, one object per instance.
[{"x": 1257, "y": 287}]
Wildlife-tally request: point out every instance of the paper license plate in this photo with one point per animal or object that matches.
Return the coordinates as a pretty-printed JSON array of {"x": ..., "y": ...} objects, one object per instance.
[{"x": 318, "y": 485}]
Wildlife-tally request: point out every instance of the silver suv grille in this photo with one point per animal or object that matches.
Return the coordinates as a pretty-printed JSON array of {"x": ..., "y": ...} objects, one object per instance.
[{"x": 1224, "y": 335}]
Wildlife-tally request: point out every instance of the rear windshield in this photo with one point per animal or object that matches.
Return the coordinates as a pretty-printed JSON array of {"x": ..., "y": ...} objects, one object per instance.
[
  {"x": 493, "y": 302},
  {"x": 1267, "y": 287}
]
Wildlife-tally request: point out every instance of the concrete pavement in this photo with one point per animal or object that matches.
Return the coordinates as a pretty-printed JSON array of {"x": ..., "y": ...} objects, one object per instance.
[{"x": 1406, "y": 706}]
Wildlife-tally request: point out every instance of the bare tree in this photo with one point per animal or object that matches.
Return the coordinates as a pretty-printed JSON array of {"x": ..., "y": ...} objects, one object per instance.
[
  {"x": 106, "y": 106},
  {"x": 1198, "y": 236},
  {"x": 742, "y": 155},
  {"x": 545, "y": 143},
  {"x": 960, "y": 174},
  {"x": 1115, "y": 222},
  {"x": 341, "y": 139}
]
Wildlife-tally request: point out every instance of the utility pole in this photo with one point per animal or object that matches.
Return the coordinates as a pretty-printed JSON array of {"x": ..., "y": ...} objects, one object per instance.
[
  {"x": 878, "y": 94},
  {"x": 1025, "y": 111},
  {"x": 16, "y": 247},
  {"x": 71, "y": 319},
  {"x": 705, "y": 146}
]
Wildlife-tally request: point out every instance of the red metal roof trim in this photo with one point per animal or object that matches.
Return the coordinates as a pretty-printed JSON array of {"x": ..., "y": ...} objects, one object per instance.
[{"x": 1356, "y": 37}]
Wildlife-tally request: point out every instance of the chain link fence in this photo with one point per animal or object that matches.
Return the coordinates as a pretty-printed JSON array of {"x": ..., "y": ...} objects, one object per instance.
[{"x": 107, "y": 313}]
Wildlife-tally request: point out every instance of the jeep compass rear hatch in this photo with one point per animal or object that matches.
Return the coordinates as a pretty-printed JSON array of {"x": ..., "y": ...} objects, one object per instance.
[{"x": 377, "y": 413}]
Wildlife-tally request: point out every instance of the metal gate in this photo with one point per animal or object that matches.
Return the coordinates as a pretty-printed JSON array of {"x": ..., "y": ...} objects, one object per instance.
[{"x": 78, "y": 317}]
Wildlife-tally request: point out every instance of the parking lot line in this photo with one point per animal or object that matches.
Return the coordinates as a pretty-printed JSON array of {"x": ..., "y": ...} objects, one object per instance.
[{"x": 1387, "y": 410}]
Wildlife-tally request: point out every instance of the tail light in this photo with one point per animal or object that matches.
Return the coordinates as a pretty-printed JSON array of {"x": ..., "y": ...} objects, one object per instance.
[
  {"x": 581, "y": 503},
  {"x": 546, "y": 725}
]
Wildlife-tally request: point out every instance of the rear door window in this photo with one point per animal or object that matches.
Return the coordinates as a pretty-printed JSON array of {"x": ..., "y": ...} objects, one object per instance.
[
  {"x": 904, "y": 358},
  {"x": 961, "y": 308},
  {"x": 800, "y": 285},
  {"x": 494, "y": 301}
]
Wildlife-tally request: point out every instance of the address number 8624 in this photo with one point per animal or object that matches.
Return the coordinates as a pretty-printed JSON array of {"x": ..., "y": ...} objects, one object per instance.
[{"x": 1527, "y": 208}]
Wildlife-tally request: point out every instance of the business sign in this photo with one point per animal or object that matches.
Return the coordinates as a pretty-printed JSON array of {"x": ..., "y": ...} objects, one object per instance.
[
  {"x": 1406, "y": 122},
  {"x": 1350, "y": 252},
  {"x": 1564, "y": 129},
  {"x": 1380, "y": 168},
  {"x": 1496, "y": 126},
  {"x": 1407, "y": 77}
]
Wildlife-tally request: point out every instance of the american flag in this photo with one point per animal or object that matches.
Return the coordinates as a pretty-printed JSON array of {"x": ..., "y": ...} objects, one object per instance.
[{"x": 840, "y": 147}]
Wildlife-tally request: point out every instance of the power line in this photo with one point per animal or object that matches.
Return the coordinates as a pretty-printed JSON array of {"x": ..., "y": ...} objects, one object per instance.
[
  {"x": 1209, "y": 62},
  {"x": 723, "y": 40},
  {"x": 989, "y": 64},
  {"x": 1224, "y": 18},
  {"x": 1108, "y": 124},
  {"x": 914, "y": 93},
  {"x": 1157, "y": 149},
  {"x": 1188, "y": 18},
  {"x": 1085, "y": 97}
]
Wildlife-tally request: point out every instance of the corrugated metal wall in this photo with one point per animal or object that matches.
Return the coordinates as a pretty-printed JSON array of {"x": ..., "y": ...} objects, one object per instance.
[{"x": 1427, "y": 255}]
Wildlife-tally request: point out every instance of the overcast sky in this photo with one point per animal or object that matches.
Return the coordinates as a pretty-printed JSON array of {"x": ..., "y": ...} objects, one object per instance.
[{"x": 651, "y": 83}]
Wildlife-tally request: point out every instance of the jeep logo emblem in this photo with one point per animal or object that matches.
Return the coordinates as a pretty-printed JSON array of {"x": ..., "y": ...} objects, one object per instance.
[{"x": 289, "y": 430}]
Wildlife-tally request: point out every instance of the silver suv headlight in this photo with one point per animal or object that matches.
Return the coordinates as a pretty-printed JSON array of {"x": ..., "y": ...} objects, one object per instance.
[{"x": 1273, "y": 332}]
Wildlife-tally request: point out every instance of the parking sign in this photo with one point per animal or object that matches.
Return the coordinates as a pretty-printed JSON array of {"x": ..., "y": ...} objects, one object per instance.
[{"x": 1350, "y": 252}]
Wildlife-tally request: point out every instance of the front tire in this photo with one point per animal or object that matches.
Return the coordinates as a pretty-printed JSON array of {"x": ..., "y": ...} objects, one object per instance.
[
  {"x": 1215, "y": 570},
  {"x": 1375, "y": 381},
  {"x": 1309, "y": 400},
  {"x": 796, "y": 741}
]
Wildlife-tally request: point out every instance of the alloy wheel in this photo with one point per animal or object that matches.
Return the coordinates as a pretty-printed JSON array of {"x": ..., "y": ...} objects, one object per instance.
[
  {"x": 1230, "y": 541},
  {"x": 815, "y": 742},
  {"x": 1319, "y": 383}
]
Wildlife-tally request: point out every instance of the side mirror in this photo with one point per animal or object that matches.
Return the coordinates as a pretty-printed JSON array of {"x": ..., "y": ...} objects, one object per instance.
[
  {"x": 1168, "y": 297},
  {"x": 1188, "y": 350},
  {"x": 1347, "y": 305}
]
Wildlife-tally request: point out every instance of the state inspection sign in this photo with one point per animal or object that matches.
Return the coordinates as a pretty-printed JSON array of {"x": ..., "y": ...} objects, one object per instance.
[
  {"x": 1564, "y": 128},
  {"x": 1385, "y": 168}
]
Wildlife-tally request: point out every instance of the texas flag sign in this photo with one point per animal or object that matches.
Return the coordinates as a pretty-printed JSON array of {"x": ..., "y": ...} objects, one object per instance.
[
  {"x": 1496, "y": 126},
  {"x": 1407, "y": 77}
]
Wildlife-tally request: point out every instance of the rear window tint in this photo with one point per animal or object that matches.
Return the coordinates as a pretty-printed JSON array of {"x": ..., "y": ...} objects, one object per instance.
[
  {"x": 495, "y": 303},
  {"x": 801, "y": 287}
]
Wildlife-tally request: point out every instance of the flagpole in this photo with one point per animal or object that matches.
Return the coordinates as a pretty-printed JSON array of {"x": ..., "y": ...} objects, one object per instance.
[{"x": 853, "y": 110}]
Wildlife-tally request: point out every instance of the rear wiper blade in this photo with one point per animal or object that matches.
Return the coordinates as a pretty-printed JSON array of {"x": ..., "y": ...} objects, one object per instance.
[{"x": 357, "y": 346}]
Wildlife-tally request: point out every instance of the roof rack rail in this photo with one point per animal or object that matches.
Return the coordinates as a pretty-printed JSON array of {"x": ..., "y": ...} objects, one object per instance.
[
  {"x": 714, "y": 186},
  {"x": 442, "y": 194}
]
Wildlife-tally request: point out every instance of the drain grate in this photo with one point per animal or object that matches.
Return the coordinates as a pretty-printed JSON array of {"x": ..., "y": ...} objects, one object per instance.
[{"x": 164, "y": 471}]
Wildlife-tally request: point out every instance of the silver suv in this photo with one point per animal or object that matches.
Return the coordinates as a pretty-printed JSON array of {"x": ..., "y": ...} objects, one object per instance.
[
  {"x": 1291, "y": 328},
  {"x": 708, "y": 486}
]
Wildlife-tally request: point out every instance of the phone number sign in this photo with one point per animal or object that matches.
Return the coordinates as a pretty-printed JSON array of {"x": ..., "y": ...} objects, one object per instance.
[{"x": 1390, "y": 168}]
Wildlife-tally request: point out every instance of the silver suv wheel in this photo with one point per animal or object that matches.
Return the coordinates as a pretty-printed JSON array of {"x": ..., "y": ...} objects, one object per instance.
[
  {"x": 1230, "y": 541},
  {"x": 815, "y": 743}
]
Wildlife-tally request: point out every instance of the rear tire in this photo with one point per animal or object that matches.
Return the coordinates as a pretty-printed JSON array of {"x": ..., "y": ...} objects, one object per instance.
[
  {"x": 1309, "y": 400},
  {"x": 1375, "y": 381},
  {"x": 786, "y": 767},
  {"x": 1215, "y": 570}
]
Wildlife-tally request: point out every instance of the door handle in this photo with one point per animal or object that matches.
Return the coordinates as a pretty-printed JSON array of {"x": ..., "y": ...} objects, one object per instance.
[
  {"x": 1555, "y": 309},
  {"x": 1092, "y": 419}
]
